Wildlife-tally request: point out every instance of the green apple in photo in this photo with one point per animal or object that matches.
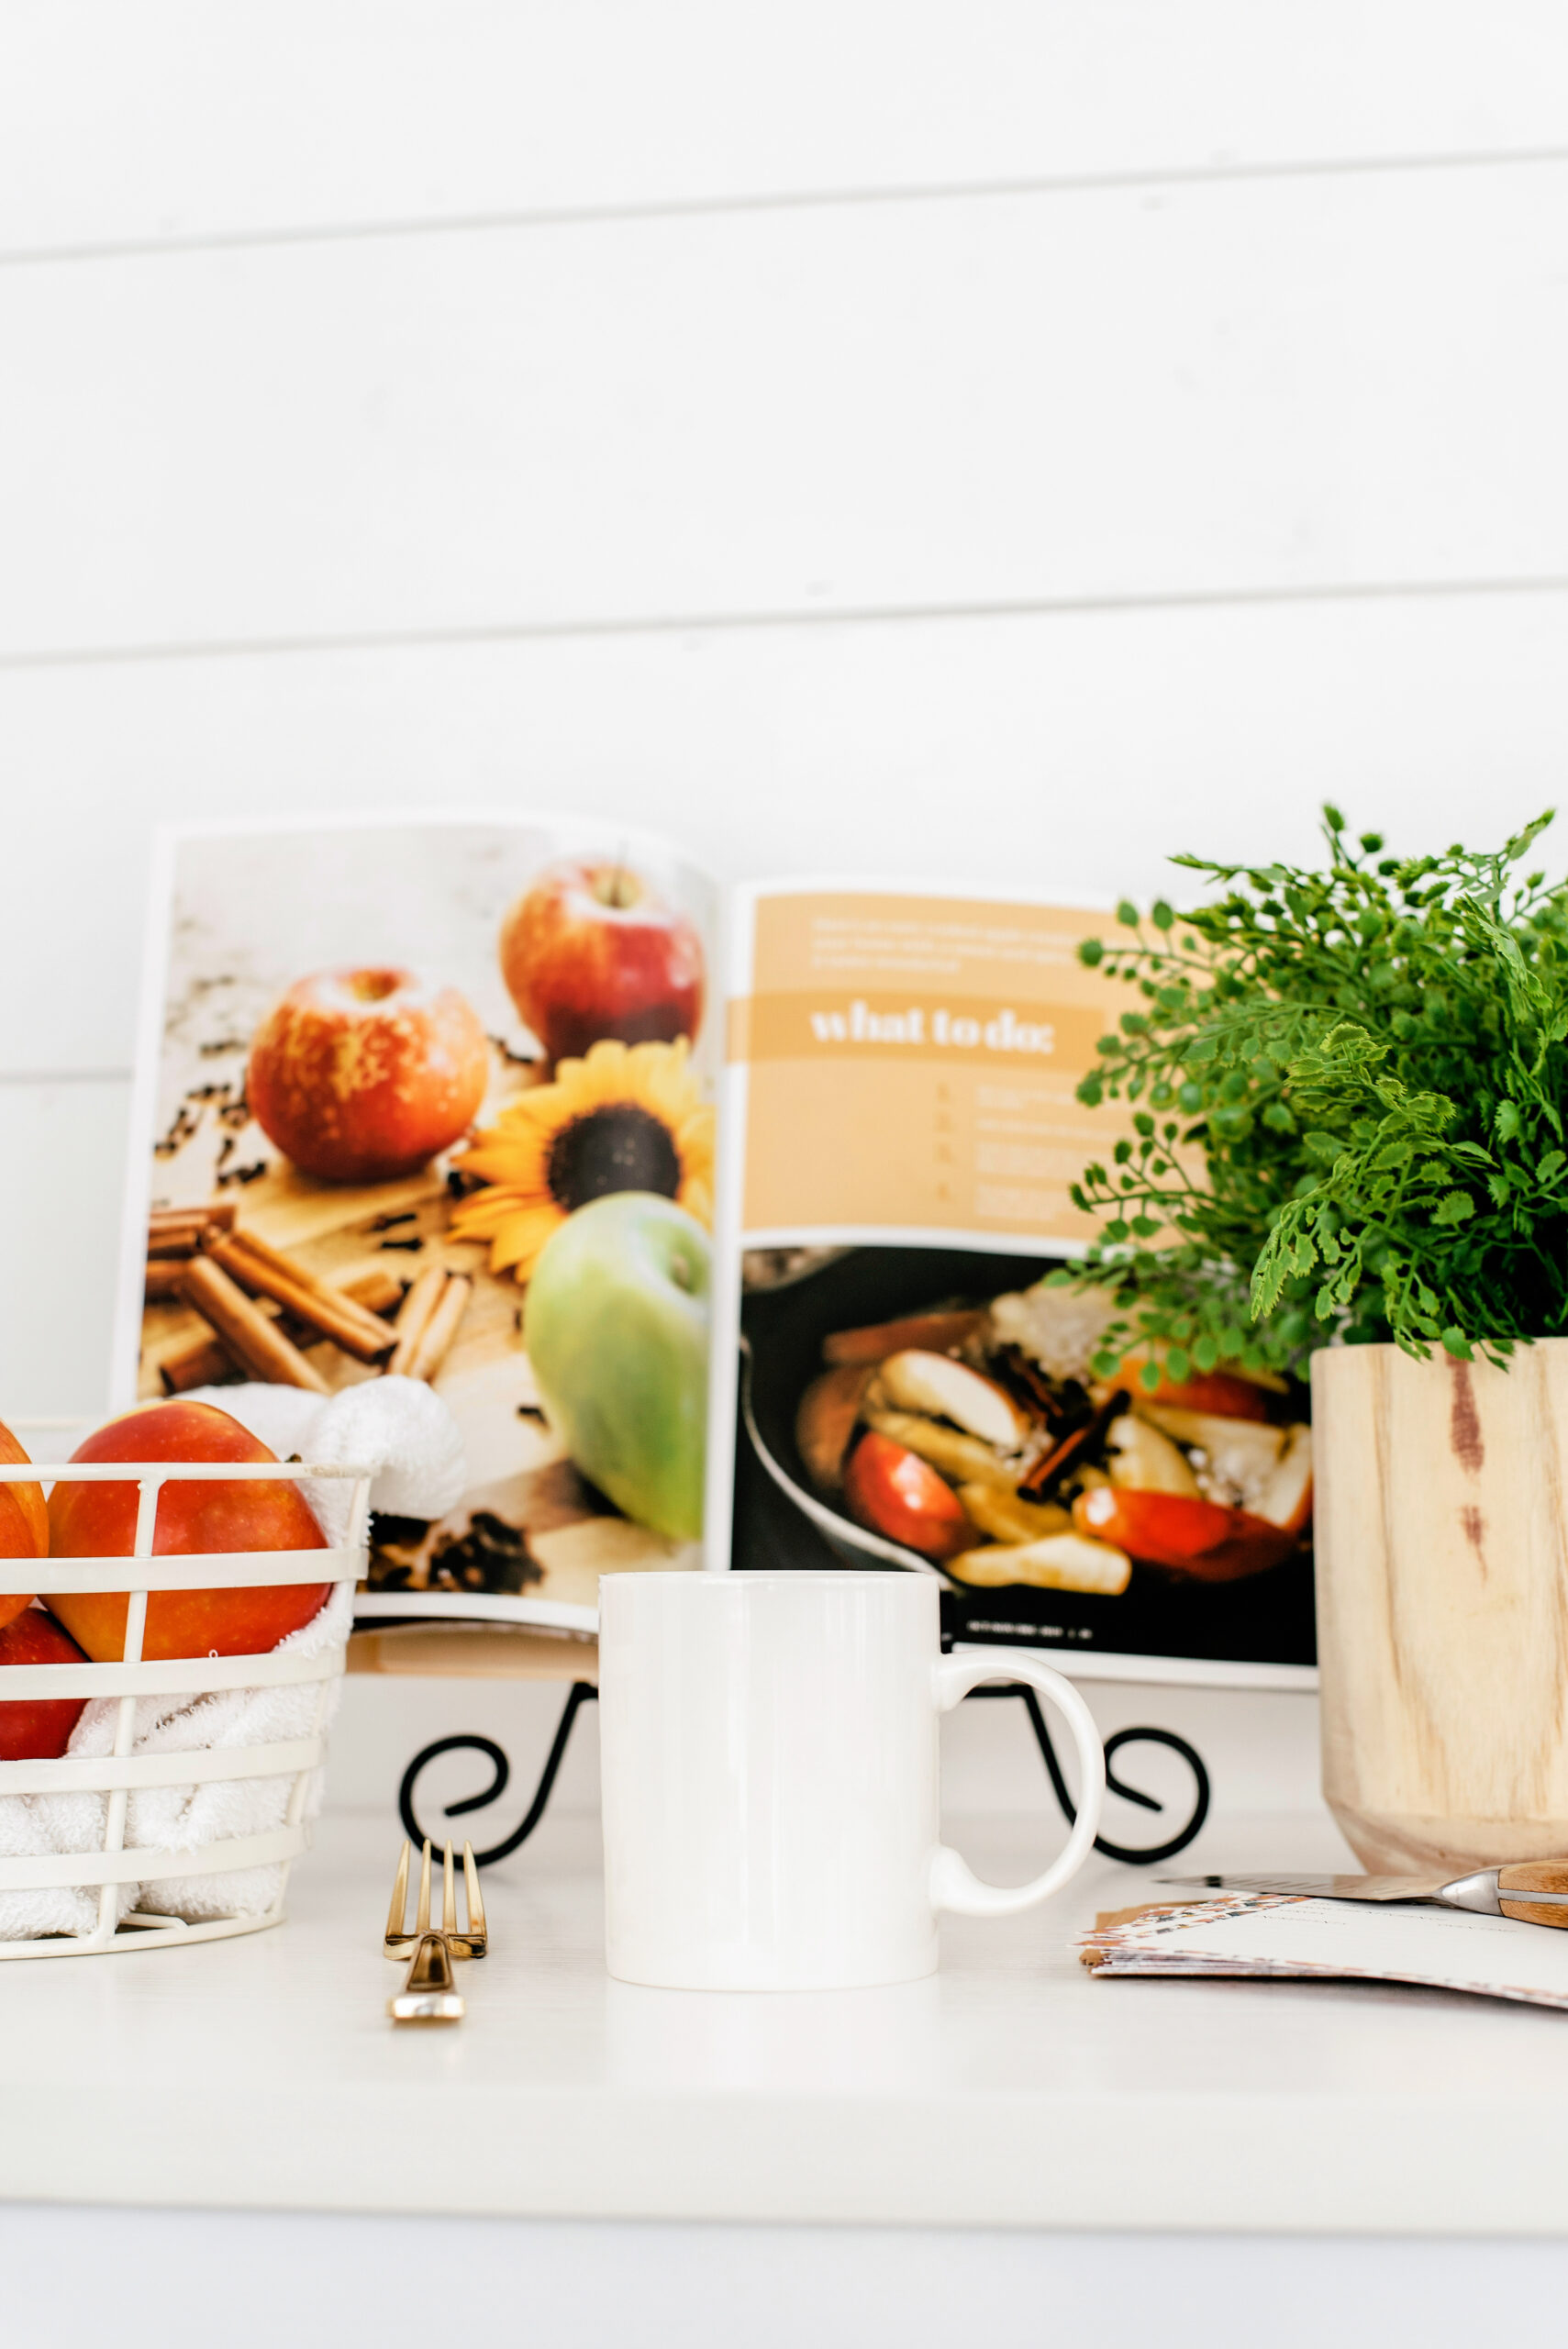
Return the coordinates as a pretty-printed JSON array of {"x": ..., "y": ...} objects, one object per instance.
[{"x": 616, "y": 1323}]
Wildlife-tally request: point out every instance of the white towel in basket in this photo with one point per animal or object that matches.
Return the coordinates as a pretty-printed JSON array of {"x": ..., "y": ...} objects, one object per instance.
[
  {"x": 175, "y": 1818},
  {"x": 394, "y": 1425},
  {"x": 33, "y": 1825},
  {"x": 399, "y": 1427}
]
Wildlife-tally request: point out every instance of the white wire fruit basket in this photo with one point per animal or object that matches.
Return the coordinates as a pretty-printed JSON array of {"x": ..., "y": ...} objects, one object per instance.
[{"x": 112, "y": 1864}]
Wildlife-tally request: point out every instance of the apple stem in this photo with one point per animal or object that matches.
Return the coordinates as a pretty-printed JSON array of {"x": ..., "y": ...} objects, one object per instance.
[{"x": 623, "y": 889}]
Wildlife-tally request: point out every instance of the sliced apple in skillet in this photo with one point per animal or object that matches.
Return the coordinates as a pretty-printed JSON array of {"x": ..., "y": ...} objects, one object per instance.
[
  {"x": 1267, "y": 1470},
  {"x": 1143, "y": 1460},
  {"x": 949, "y": 1449},
  {"x": 892, "y": 1491},
  {"x": 1198, "y": 1538},
  {"x": 917, "y": 1380},
  {"x": 826, "y": 1421},
  {"x": 1005, "y": 1517},
  {"x": 1059, "y": 1561},
  {"x": 1286, "y": 1499}
]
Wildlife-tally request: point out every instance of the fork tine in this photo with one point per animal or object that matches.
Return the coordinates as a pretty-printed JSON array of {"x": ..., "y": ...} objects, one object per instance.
[
  {"x": 449, "y": 1898},
  {"x": 422, "y": 1914},
  {"x": 399, "y": 1908},
  {"x": 473, "y": 1901}
]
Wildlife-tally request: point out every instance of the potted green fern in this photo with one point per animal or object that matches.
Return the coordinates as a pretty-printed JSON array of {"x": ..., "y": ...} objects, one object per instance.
[{"x": 1347, "y": 1084}]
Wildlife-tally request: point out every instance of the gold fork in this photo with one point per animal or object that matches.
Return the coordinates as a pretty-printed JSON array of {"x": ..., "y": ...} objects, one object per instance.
[{"x": 430, "y": 1993}]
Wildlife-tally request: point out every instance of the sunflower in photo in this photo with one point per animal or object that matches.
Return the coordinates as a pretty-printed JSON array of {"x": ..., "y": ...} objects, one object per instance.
[{"x": 626, "y": 1118}]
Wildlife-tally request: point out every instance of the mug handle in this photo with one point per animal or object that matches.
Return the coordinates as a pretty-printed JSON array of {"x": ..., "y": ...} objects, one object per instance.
[{"x": 953, "y": 1883}]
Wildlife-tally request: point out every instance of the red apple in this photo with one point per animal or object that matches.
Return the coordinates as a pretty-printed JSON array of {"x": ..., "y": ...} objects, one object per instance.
[
  {"x": 828, "y": 1414},
  {"x": 1227, "y": 1393},
  {"x": 359, "y": 1076},
  {"x": 24, "y": 1523},
  {"x": 894, "y": 1492},
  {"x": 1198, "y": 1538},
  {"x": 99, "y": 1522},
  {"x": 37, "y": 1729},
  {"x": 593, "y": 951}
]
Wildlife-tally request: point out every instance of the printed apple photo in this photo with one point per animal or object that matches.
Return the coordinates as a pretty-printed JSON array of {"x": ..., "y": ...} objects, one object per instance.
[
  {"x": 435, "y": 1099},
  {"x": 935, "y": 1408}
]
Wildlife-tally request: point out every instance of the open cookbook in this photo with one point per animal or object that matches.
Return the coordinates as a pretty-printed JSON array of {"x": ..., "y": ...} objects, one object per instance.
[
  {"x": 1264, "y": 1937},
  {"x": 718, "y": 1217}
]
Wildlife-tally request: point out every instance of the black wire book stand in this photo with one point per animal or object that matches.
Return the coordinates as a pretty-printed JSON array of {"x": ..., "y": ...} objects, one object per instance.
[{"x": 582, "y": 1692}]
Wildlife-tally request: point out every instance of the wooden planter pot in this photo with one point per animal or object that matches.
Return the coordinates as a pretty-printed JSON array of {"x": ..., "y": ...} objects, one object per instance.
[{"x": 1442, "y": 1603}]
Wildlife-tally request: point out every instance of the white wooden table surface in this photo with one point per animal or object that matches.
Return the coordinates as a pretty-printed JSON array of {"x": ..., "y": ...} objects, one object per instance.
[
  {"x": 1010, "y": 2144},
  {"x": 1010, "y": 2089}
]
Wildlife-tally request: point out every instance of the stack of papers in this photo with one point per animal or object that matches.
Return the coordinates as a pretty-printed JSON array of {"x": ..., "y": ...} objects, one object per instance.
[{"x": 1260, "y": 1935}]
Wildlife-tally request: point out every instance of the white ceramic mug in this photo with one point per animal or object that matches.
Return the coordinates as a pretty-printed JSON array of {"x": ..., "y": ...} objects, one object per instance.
[{"x": 768, "y": 1748}]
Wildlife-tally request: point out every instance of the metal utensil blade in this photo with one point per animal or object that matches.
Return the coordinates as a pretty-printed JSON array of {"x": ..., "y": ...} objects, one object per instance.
[
  {"x": 1481, "y": 1892},
  {"x": 1321, "y": 1888}
]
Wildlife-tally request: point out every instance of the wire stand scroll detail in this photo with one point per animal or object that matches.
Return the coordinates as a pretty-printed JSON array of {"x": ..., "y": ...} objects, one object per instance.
[
  {"x": 582, "y": 1692},
  {"x": 1139, "y": 1856}
]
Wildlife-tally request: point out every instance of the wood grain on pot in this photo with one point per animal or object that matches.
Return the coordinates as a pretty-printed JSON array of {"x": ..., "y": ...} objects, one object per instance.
[{"x": 1442, "y": 1603}]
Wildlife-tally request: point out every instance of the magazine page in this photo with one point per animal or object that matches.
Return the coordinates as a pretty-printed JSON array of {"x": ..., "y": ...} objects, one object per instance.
[
  {"x": 902, "y": 1132},
  {"x": 436, "y": 1098}
]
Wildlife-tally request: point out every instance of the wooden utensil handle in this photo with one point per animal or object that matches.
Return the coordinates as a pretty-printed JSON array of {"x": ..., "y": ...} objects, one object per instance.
[
  {"x": 1533, "y": 1876},
  {"x": 1524, "y": 1877}
]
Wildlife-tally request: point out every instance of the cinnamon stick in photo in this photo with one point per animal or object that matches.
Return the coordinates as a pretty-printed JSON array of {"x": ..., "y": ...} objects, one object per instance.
[
  {"x": 178, "y": 1231},
  {"x": 337, "y": 1317},
  {"x": 378, "y": 1290},
  {"x": 219, "y": 1215},
  {"x": 363, "y": 1299},
  {"x": 256, "y": 1345},
  {"x": 202, "y": 1361},
  {"x": 201, "y": 1358},
  {"x": 413, "y": 1318},
  {"x": 174, "y": 1240},
  {"x": 442, "y": 1327},
  {"x": 162, "y": 1279},
  {"x": 289, "y": 1268}
]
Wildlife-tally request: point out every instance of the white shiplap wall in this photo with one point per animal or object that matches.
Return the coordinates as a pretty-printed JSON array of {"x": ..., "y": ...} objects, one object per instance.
[
  {"x": 976, "y": 437},
  {"x": 167, "y": 121},
  {"x": 1032, "y": 402}
]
